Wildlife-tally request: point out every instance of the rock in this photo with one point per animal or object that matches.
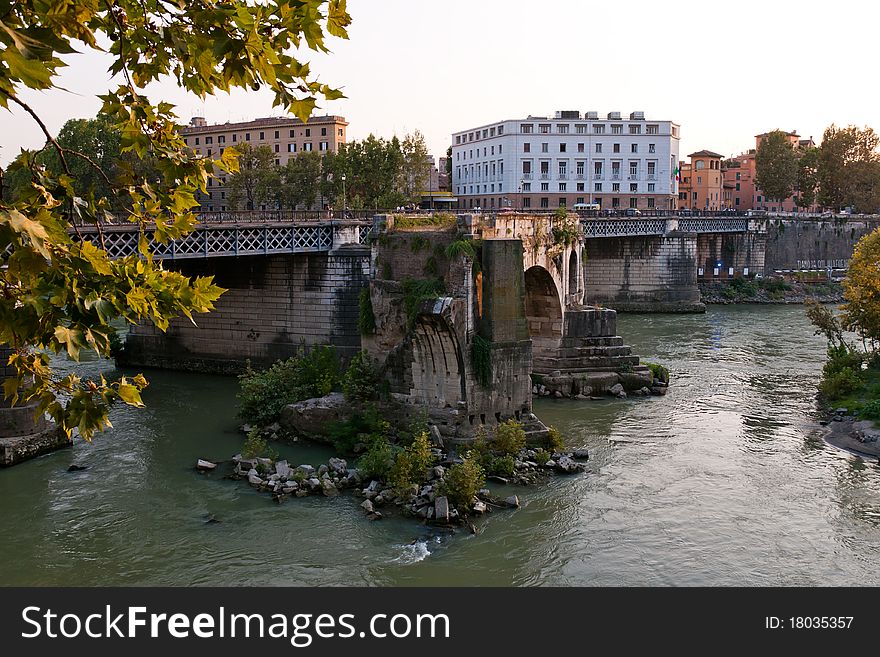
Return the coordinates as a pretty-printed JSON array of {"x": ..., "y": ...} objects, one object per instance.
[
  {"x": 273, "y": 428},
  {"x": 550, "y": 463},
  {"x": 658, "y": 390},
  {"x": 202, "y": 464},
  {"x": 645, "y": 391},
  {"x": 581, "y": 454},
  {"x": 425, "y": 491},
  {"x": 367, "y": 506},
  {"x": 374, "y": 486},
  {"x": 330, "y": 489},
  {"x": 322, "y": 470},
  {"x": 496, "y": 478},
  {"x": 558, "y": 394},
  {"x": 247, "y": 464},
  {"x": 479, "y": 507},
  {"x": 512, "y": 501},
  {"x": 77, "y": 468},
  {"x": 841, "y": 411},
  {"x": 311, "y": 417},
  {"x": 616, "y": 389},
  {"x": 369, "y": 494},
  {"x": 567, "y": 465},
  {"x": 556, "y": 373},
  {"x": 314, "y": 483},
  {"x": 355, "y": 476},
  {"x": 441, "y": 509},
  {"x": 282, "y": 469},
  {"x": 339, "y": 466},
  {"x": 304, "y": 470},
  {"x": 534, "y": 390},
  {"x": 254, "y": 479},
  {"x": 290, "y": 487},
  {"x": 302, "y": 492},
  {"x": 375, "y": 515},
  {"x": 586, "y": 391},
  {"x": 379, "y": 500},
  {"x": 247, "y": 428},
  {"x": 266, "y": 463},
  {"x": 436, "y": 438},
  {"x": 439, "y": 472}
]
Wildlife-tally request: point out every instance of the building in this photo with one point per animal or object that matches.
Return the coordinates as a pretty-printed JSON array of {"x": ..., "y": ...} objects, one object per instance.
[
  {"x": 538, "y": 162},
  {"x": 285, "y": 136},
  {"x": 436, "y": 192},
  {"x": 740, "y": 174},
  {"x": 701, "y": 185}
]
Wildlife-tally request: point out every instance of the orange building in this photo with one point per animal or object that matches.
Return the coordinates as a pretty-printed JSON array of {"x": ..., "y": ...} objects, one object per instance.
[{"x": 701, "y": 187}]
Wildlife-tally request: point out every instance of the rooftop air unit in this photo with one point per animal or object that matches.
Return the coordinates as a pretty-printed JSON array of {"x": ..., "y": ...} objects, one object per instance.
[
  {"x": 614, "y": 116},
  {"x": 637, "y": 116},
  {"x": 592, "y": 115},
  {"x": 568, "y": 114}
]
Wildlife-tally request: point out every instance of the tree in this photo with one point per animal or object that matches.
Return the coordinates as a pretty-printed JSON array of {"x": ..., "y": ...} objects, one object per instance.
[
  {"x": 861, "y": 289},
  {"x": 300, "y": 180},
  {"x": 776, "y": 166},
  {"x": 416, "y": 167},
  {"x": 847, "y": 168},
  {"x": 61, "y": 292},
  {"x": 808, "y": 177},
  {"x": 251, "y": 185}
]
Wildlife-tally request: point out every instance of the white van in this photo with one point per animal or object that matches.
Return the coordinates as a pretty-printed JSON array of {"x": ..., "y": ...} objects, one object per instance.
[{"x": 582, "y": 207}]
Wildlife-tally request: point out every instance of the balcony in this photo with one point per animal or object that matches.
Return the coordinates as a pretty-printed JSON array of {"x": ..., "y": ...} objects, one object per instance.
[
  {"x": 579, "y": 175},
  {"x": 633, "y": 176},
  {"x": 652, "y": 176},
  {"x": 615, "y": 176},
  {"x": 562, "y": 175},
  {"x": 527, "y": 176},
  {"x": 598, "y": 176},
  {"x": 545, "y": 176}
]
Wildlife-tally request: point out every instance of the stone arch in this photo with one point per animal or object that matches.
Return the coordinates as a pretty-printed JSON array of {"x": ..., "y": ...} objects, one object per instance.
[
  {"x": 437, "y": 366},
  {"x": 543, "y": 308}
]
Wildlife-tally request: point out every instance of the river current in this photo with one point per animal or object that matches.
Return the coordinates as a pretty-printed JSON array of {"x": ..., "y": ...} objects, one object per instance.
[{"x": 724, "y": 481}]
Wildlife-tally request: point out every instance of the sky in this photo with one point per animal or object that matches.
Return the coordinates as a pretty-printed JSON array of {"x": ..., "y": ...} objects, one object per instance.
[{"x": 723, "y": 71}]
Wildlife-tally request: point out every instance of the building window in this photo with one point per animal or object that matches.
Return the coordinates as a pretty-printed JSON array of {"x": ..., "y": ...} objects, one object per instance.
[
  {"x": 580, "y": 199},
  {"x": 580, "y": 187},
  {"x": 699, "y": 180},
  {"x": 561, "y": 201},
  {"x": 209, "y": 151},
  {"x": 527, "y": 128},
  {"x": 197, "y": 141},
  {"x": 544, "y": 129},
  {"x": 580, "y": 129},
  {"x": 615, "y": 187},
  {"x": 291, "y": 147},
  {"x": 527, "y": 167},
  {"x": 209, "y": 140},
  {"x": 307, "y": 146},
  {"x": 635, "y": 130},
  {"x": 501, "y": 130},
  {"x": 221, "y": 139},
  {"x": 247, "y": 136},
  {"x": 563, "y": 187},
  {"x": 545, "y": 202},
  {"x": 737, "y": 187},
  {"x": 579, "y": 167},
  {"x": 597, "y": 169},
  {"x": 580, "y": 148},
  {"x": 545, "y": 187},
  {"x": 324, "y": 145},
  {"x": 651, "y": 148},
  {"x": 651, "y": 130},
  {"x": 597, "y": 187},
  {"x": 277, "y": 147},
  {"x": 598, "y": 129},
  {"x": 527, "y": 202},
  {"x": 650, "y": 202},
  {"x": 634, "y": 187},
  {"x": 308, "y": 132},
  {"x": 223, "y": 194},
  {"x": 185, "y": 141},
  {"x": 615, "y": 202},
  {"x": 562, "y": 147},
  {"x": 323, "y": 132},
  {"x": 545, "y": 148},
  {"x": 616, "y": 129},
  {"x": 527, "y": 147},
  {"x": 339, "y": 132},
  {"x": 633, "y": 168},
  {"x": 633, "y": 202},
  {"x": 651, "y": 187},
  {"x": 598, "y": 148},
  {"x": 562, "y": 128},
  {"x": 234, "y": 137},
  {"x": 737, "y": 201},
  {"x": 616, "y": 148},
  {"x": 700, "y": 165},
  {"x": 527, "y": 186},
  {"x": 737, "y": 175},
  {"x": 634, "y": 148}
]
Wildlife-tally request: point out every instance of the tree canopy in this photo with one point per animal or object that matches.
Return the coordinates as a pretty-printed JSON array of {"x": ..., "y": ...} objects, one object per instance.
[
  {"x": 848, "y": 168},
  {"x": 776, "y": 166},
  {"x": 60, "y": 292}
]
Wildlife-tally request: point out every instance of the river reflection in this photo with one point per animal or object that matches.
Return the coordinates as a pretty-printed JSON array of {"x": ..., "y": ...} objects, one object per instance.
[{"x": 725, "y": 481}]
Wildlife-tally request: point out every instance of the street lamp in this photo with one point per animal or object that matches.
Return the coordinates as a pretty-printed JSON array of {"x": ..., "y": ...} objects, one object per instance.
[
  {"x": 521, "y": 185},
  {"x": 343, "y": 195}
]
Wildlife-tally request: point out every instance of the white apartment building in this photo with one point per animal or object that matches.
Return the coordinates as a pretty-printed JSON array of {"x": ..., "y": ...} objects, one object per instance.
[{"x": 540, "y": 162}]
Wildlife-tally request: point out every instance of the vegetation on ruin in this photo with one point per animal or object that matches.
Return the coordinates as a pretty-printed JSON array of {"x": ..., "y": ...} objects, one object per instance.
[
  {"x": 461, "y": 247},
  {"x": 554, "y": 439},
  {"x": 366, "y": 317},
  {"x": 463, "y": 481},
  {"x": 481, "y": 359},
  {"x": 61, "y": 292},
  {"x": 439, "y": 220},
  {"x": 659, "y": 372},
  {"x": 418, "y": 291},
  {"x": 263, "y": 393}
]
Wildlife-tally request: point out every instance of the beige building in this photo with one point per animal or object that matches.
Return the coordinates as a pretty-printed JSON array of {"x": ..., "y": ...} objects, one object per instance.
[
  {"x": 702, "y": 185},
  {"x": 285, "y": 136}
]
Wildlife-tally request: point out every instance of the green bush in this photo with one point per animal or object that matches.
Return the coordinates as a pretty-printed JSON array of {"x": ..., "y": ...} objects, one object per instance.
[
  {"x": 871, "y": 410},
  {"x": 264, "y": 393},
  {"x": 840, "y": 383},
  {"x": 360, "y": 383},
  {"x": 509, "y": 438},
  {"x": 416, "y": 292},
  {"x": 481, "y": 360},
  {"x": 256, "y": 446},
  {"x": 361, "y": 428},
  {"x": 366, "y": 318},
  {"x": 410, "y": 465},
  {"x": 462, "y": 482},
  {"x": 502, "y": 466},
  {"x": 461, "y": 247},
  {"x": 554, "y": 439},
  {"x": 541, "y": 456},
  {"x": 739, "y": 288},
  {"x": 378, "y": 459}
]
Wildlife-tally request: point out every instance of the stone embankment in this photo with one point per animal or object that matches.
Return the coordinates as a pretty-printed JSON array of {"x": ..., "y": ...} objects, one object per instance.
[
  {"x": 721, "y": 293},
  {"x": 426, "y": 501}
]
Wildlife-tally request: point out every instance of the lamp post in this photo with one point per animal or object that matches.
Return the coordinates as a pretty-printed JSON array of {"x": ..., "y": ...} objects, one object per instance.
[
  {"x": 343, "y": 196},
  {"x": 521, "y": 184}
]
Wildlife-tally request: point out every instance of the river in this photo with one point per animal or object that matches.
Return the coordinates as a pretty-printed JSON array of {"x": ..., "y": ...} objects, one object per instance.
[{"x": 725, "y": 481}]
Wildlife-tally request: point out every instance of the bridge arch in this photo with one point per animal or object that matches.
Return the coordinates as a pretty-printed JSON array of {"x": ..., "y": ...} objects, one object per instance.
[
  {"x": 437, "y": 367},
  {"x": 543, "y": 308}
]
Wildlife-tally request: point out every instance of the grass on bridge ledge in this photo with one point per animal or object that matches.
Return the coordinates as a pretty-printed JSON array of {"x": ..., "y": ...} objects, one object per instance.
[{"x": 437, "y": 221}]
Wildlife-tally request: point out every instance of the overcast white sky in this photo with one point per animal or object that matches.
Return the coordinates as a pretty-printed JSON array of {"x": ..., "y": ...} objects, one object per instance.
[{"x": 724, "y": 71}]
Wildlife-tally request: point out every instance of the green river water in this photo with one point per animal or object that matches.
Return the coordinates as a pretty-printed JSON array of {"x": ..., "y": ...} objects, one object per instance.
[{"x": 725, "y": 481}]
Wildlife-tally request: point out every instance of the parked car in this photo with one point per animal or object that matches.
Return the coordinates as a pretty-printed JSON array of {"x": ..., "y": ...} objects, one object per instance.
[
  {"x": 756, "y": 213},
  {"x": 632, "y": 212},
  {"x": 581, "y": 207}
]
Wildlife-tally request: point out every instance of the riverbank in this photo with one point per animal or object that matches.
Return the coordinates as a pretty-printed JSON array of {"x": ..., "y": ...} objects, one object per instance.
[
  {"x": 770, "y": 291},
  {"x": 851, "y": 434}
]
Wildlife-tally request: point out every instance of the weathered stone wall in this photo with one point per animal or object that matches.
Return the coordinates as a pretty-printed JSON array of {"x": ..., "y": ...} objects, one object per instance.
[
  {"x": 273, "y": 305},
  {"x": 643, "y": 274},
  {"x": 728, "y": 255},
  {"x": 813, "y": 244}
]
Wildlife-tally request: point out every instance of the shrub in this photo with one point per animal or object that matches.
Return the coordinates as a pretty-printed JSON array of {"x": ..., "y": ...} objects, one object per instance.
[
  {"x": 509, "y": 438},
  {"x": 462, "y": 482},
  {"x": 416, "y": 292},
  {"x": 541, "y": 456},
  {"x": 871, "y": 410},
  {"x": 481, "y": 360},
  {"x": 842, "y": 357},
  {"x": 554, "y": 439},
  {"x": 503, "y": 466},
  {"x": 366, "y": 318},
  {"x": 378, "y": 459},
  {"x": 256, "y": 446},
  {"x": 264, "y": 393},
  {"x": 361, "y": 428},
  {"x": 739, "y": 288},
  {"x": 361, "y": 381},
  {"x": 840, "y": 383},
  {"x": 461, "y": 247},
  {"x": 410, "y": 465}
]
